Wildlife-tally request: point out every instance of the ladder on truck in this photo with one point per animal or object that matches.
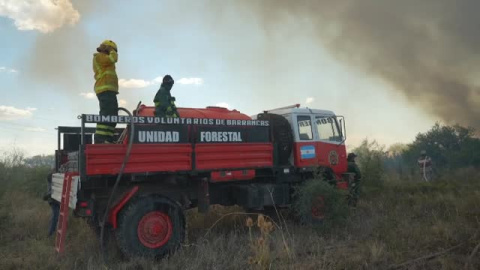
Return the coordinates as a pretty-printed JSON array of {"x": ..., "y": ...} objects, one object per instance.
[{"x": 63, "y": 215}]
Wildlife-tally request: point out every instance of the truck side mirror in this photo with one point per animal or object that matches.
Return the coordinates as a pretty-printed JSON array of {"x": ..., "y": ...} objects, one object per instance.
[{"x": 341, "y": 128}]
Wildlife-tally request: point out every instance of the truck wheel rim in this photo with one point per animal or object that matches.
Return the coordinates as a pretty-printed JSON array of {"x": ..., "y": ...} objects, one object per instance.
[
  {"x": 318, "y": 207},
  {"x": 154, "y": 229}
]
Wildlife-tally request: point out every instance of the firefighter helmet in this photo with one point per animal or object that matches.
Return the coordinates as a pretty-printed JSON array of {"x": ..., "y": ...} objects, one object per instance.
[
  {"x": 351, "y": 156},
  {"x": 111, "y": 44}
]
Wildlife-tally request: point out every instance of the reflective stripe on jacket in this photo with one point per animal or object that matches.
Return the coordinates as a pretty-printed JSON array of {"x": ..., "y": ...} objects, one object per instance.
[
  {"x": 105, "y": 130},
  {"x": 165, "y": 103},
  {"x": 104, "y": 68}
]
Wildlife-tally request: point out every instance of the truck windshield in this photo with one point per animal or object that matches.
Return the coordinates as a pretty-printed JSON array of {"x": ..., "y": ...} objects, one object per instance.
[{"x": 328, "y": 129}]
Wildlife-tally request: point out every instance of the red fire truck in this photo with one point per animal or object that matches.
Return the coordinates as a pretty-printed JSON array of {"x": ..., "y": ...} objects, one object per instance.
[{"x": 140, "y": 186}]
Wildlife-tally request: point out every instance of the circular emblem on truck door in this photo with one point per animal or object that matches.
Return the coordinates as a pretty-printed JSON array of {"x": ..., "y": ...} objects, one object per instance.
[{"x": 333, "y": 157}]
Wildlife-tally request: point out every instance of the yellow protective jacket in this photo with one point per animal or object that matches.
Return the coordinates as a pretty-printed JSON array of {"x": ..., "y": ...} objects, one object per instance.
[{"x": 105, "y": 76}]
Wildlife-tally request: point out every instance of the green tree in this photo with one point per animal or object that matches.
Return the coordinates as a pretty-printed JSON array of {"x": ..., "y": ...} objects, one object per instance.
[
  {"x": 394, "y": 163},
  {"x": 397, "y": 149},
  {"x": 449, "y": 147},
  {"x": 40, "y": 161}
]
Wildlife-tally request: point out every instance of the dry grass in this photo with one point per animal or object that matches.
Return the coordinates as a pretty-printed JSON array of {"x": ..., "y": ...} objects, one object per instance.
[{"x": 391, "y": 226}]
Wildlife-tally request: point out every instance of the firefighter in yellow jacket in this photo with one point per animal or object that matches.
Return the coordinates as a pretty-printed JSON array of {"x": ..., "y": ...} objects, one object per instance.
[{"x": 106, "y": 88}]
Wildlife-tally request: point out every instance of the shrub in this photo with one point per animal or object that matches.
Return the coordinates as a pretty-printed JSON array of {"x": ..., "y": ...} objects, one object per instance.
[
  {"x": 370, "y": 159},
  {"x": 260, "y": 245},
  {"x": 336, "y": 209}
]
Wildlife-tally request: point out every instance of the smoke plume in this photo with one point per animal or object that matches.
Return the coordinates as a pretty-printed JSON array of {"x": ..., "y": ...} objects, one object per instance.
[
  {"x": 59, "y": 58},
  {"x": 426, "y": 49},
  {"x": 44, "y": 16}
]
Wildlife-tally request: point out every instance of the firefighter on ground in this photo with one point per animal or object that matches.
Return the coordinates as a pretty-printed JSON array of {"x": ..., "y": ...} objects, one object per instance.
[
  {"x": 54, "y": 205},
  {"x": 106, "y": 88},
  {"x": 425, "y": 164},
  {"x": 164, "y": 102},
  {"x": 355, "y": 185}
]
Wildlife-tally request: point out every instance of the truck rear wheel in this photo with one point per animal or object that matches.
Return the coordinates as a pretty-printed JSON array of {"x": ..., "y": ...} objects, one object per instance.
[{"x": 150, "y": 226}]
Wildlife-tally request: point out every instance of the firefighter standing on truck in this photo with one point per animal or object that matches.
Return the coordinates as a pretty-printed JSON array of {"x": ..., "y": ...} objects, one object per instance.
[
  {"x": 106, "y": 88},
  {"x": 164, "y": 102}
]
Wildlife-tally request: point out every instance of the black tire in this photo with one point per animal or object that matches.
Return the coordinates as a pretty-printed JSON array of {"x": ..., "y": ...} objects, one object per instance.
[
  {"x": 317, "y": 202},
  {"x": 150, "y": 226},
  {"x": 312, "y": 212}
]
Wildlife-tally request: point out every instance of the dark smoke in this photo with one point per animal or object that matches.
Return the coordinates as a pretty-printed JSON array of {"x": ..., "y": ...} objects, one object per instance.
[
  {"x": 61, "y": 58},
  {"x": 428, "y": 50}
]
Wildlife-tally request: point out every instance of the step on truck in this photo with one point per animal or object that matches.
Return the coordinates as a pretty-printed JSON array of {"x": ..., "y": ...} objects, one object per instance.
[{"x": 206, "y": 156}]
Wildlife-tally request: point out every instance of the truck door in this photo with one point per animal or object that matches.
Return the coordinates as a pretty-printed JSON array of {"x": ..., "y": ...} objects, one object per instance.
[
  {"x": 305, "y": 145},
  {"x": 329, "y": 148}
]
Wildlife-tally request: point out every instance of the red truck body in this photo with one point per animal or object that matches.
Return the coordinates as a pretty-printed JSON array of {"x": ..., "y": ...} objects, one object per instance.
[{"x": 207, "y": 156}]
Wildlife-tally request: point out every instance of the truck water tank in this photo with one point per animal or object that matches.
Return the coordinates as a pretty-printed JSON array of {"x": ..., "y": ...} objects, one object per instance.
[{"x": 210, "y": 112}]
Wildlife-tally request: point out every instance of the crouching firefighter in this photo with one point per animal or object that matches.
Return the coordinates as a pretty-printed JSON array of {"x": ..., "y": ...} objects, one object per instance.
[
  {"x": 106, "y": 88},
  {"x": 164, "y": 102}
]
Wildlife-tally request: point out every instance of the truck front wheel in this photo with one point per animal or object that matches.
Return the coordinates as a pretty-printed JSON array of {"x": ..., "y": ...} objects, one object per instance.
[
  {"x": 318, "y": 210},
  {"x": 150, "y": 226}
]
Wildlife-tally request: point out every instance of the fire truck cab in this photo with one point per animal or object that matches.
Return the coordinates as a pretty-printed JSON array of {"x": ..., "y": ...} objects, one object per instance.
[{"x": 319, "y": 137}]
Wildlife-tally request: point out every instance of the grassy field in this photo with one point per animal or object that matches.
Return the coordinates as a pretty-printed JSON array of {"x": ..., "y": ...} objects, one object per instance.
[{"x": 399, "y": 225}]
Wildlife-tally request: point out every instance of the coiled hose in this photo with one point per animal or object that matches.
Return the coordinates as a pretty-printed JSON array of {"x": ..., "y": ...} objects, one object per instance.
[{"x": 120, "y": 173}]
